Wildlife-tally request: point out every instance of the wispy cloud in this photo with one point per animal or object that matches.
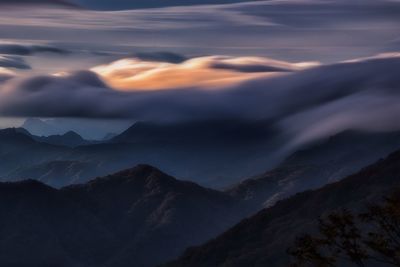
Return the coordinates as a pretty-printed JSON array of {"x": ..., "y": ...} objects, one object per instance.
[
  {"x": 29, "y": 49},
  {"x": 325, "y": 31},
  {"x": 13, "y": 62}
]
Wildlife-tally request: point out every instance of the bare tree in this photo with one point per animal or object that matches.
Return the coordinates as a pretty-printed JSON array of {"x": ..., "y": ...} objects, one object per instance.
[{"x": 371, "y": 236}]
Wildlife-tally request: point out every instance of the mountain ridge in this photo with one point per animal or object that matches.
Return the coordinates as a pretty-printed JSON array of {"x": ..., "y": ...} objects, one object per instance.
[
  {"x": 139, "y": 216},
  {"x": 317, "y": 165},
  {"x": 262, "y": 240}
]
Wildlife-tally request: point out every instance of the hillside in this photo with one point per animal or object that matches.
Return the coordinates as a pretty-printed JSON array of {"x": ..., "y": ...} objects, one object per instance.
[
  {"x": 262, "y": 240},
  {"x": 316, "y": 166},
  {"x": 138, "y": 217},
  {"x": 19, "y": 149},
  {"x": 214, "y": 153},
  {"x": 69, "y": 139}
]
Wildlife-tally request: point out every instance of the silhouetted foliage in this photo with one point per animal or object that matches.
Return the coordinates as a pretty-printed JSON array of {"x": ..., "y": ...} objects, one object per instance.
[{"x": 361, "y": 239}]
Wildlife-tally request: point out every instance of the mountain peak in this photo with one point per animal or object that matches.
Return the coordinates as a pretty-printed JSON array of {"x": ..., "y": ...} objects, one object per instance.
[
  {"x": 28, "y": 185},
  {"x": 69, "y": 139},
  {"x": 263, "y": 238},
  {"x": 15, "y": 134},
  {"x": 143, "y": 173},
  {"x": 72, "y": 134},
  {"x": 39, "y": 127}
]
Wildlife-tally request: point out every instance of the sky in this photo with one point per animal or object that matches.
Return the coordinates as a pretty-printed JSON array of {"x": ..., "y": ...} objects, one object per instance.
[{"x": 311, "y": 67}]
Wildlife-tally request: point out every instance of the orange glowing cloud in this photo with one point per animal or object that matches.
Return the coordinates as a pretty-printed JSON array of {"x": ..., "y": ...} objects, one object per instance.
[
  {"x": 5, "y": 71},
  {"x": 204, "y": 72}
]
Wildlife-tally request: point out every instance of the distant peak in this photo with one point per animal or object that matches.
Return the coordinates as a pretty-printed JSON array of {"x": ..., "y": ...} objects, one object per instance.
[
  {"x": 13, "y": 131},
  {"x": 143, "y": 170},
  {"x": 33, "y": 121},
  {"x": 142, "y": 173},
  {"x": 16, "y": 134},
  {"x": 71, "y": 134},
  {"x": 27, "y": 184}
]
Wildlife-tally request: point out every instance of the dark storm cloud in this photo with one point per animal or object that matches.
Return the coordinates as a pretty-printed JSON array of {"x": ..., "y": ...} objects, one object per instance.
[
  {"x": 26, "y": 50},
  {"x": 308, "y": 104},
  {"x": 13, "y": 62}
]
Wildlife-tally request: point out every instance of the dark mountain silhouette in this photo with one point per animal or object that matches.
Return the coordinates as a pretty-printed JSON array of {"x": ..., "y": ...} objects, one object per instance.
[
  {"x": 14, "y": 136},
  {"x": 55, "y": 173},
  {"x": 246, "y": 148},
  {"x": 203, "y": 131},
  {"x": 25, "y": 156},
  {"x": 316, "y": 166},
  {"x": 109, "y": 136},
  {"x": 262, "y": 240},
  {"x": 40, "y": 128},
  {"x": 137, "y": 217},
  {"x": 214, "y": 153},
  {"x": 70, "y": 139},
  {"x": 18, "y": 149},
  {"x": 88, "y": 129}
]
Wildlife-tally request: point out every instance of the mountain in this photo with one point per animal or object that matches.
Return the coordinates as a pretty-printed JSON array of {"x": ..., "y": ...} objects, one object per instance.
[
  {"x": 70, "y": 139},
  {"x": 135, "y": 4},
  {"x": 109, "y": 136},
  {"x": 40, "y": 127},
  {"x": 200, "y": 131},
  {"x": 315, "y": 166},
  {"x": 89, "y": 129},
  {"x": 55, "y": 173},
  {"x": 19, "y": 149},
  {"x": 137, "y": 217},
  {"x": 25, "y": 156},
  {"x": 214, "y": 153},
  {"x": 262, "y": 240}
]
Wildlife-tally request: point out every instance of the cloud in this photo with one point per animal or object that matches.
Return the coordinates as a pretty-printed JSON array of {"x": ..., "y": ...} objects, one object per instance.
[
  {"x": 13, "y": 62},
  {"x": 258, "y": 64},
  {"x": 5, "y": 74},
  {"x": 207, "y": 71},
  {"x": 161, "y": 56},
  {"x": 367, "y": 111},
  {"x": 36, "y": 2},
  {"x": 326, "y": 31},
  {"x": 29, "y": 49},
  {"x": 306, "y": 104}
]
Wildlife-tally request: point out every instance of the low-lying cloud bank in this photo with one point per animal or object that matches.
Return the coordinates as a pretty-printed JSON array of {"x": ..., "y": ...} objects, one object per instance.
[{"x": 305, "y": 104}]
